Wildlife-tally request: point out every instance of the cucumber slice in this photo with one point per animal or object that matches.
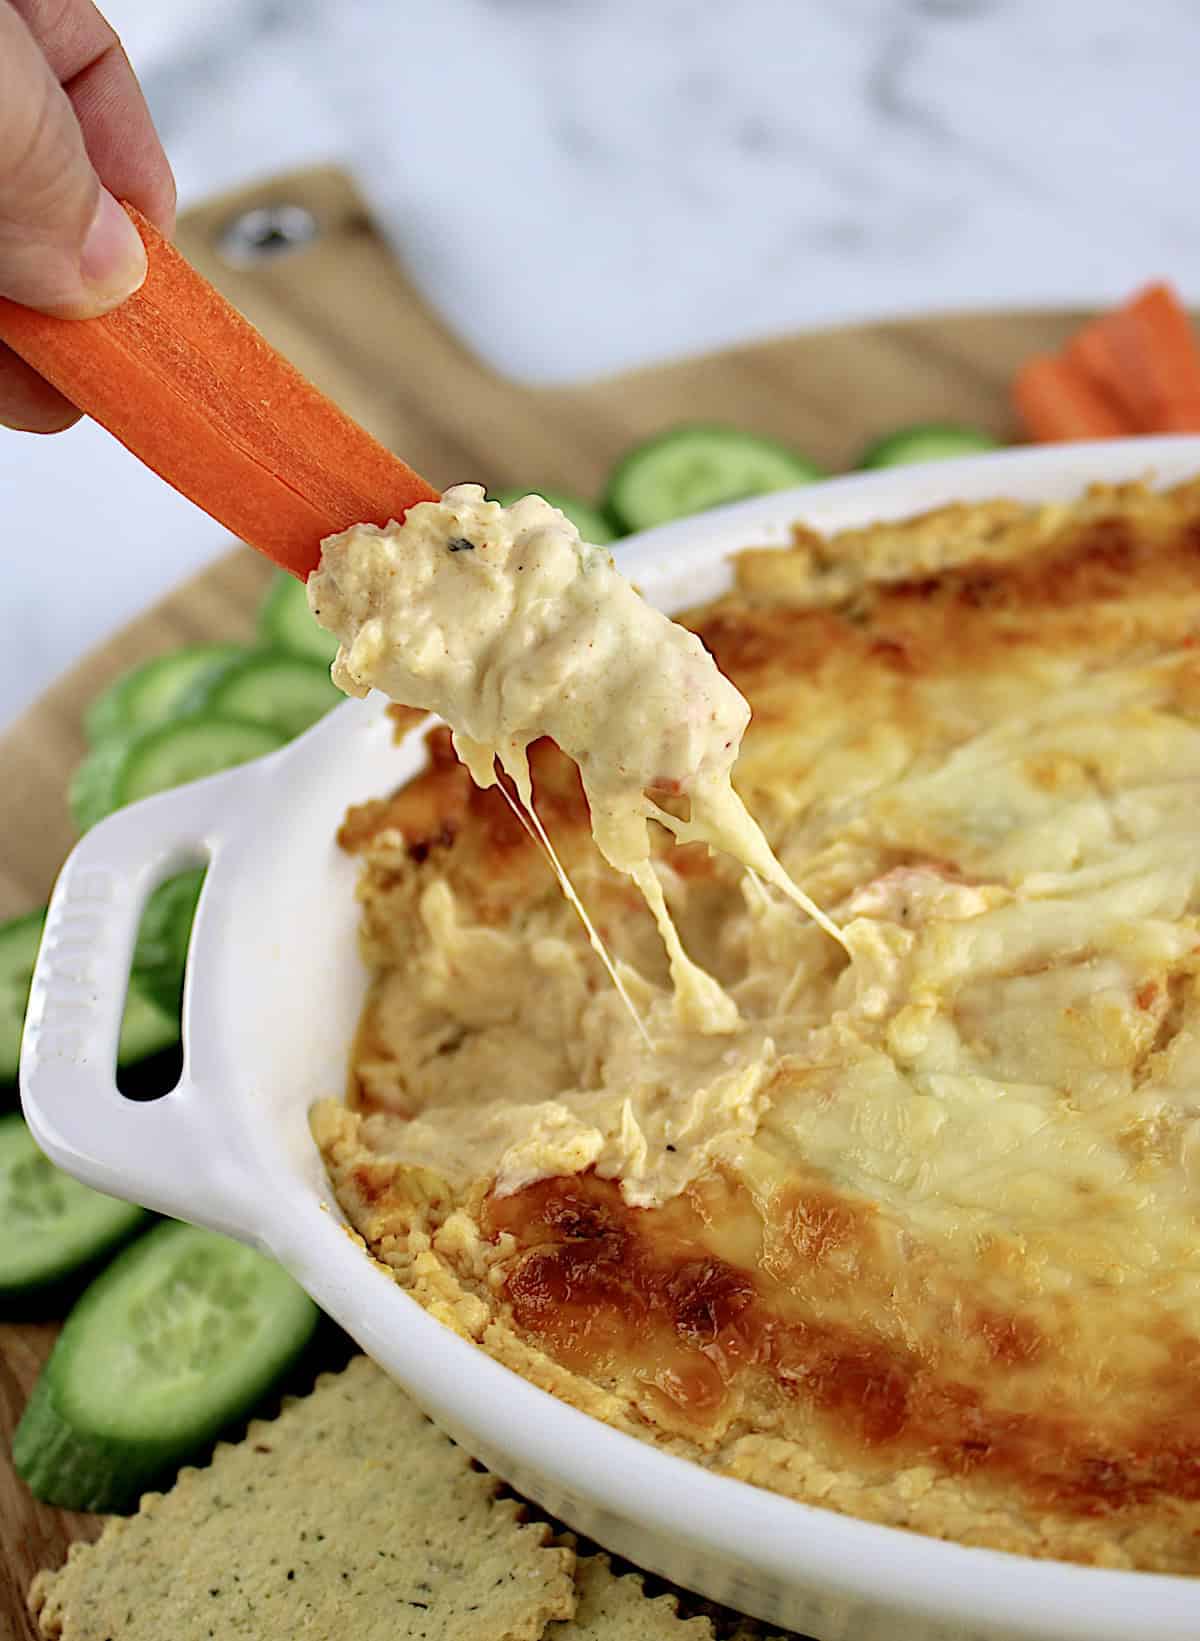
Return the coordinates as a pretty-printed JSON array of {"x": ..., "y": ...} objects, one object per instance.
[
  {"x": 90, "y": 792},
  {"x": 19, "y": 942},
  {"x": 160, "y": 956},
  {"x": 124, "y": 768},
  {"x": 285, "y": 621},
  {"x": 186, "y": 750},
  {"x": 146, "y": 1027},
  {"x": 926, "y": 442},
  {"x": 689, "y": 469},
  {"x": 176, "y": 1340},
  {"x": 287, "y": 692},
  {"x": 50, "y": 1224},
  {"x": 588, "y": 520},
  {"x": 155, "y": 690}
]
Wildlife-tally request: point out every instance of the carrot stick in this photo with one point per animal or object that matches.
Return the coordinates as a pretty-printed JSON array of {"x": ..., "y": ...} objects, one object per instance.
[
  {"x": 1183, "y": 416},
  {"x": 1090, "y": 352},
  {"x": 1147, "y": 353},
  {"x": 1056, "y": 401},
  {"x": 194, "y": 391}
]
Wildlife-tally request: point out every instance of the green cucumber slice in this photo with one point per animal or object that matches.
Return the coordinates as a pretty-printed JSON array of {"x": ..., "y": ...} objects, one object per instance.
[
  {"x": 50, "y": 1224},
  {"x": 689, "y": 469},
  {"x": 285, "y": 621},
  {"x": 19, "y": 942},
  {"x": 175, "y": 1341},
  {"x": 90, "y": 792},
  {"x": 154, "y": 691},
  {"x": 124, "y": 768},
  {"x": 160, "y": 955},
  {"x": 926, "y": 442},
  {"x": 287, "y": 692},
  {"x": 186, "y": 750},
  {"x": 591, "y": 523},
  {"x": 146, "y": 1027}
]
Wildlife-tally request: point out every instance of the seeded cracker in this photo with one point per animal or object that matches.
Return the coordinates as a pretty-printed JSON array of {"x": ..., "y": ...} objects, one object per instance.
[
  {"x": 349, "y": 1515},
  {"x": 616, "y": 1608},
  {"x": 615, "y": 1605}
]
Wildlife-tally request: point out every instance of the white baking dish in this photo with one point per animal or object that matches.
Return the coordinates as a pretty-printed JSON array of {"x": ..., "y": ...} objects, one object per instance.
[{"x": 273, "y": 991}]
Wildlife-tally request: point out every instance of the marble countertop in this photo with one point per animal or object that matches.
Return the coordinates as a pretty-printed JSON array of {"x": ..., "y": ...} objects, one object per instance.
[{"x": 648, "y": 180}]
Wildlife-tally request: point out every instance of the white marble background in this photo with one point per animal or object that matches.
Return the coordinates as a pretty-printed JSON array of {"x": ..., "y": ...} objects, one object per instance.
[{"x": 586, "y": 184}]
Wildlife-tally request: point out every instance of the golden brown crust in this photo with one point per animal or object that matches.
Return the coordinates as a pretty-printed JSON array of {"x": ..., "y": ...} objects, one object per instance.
[{"x": 952, "y": 1284}]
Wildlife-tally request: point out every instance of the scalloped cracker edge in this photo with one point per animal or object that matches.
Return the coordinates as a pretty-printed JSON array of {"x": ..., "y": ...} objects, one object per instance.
[
  {"x": 615, "y": 1607},
  {"x": 348, "y": 1515},
  {"x": 609, "y": 1610}
]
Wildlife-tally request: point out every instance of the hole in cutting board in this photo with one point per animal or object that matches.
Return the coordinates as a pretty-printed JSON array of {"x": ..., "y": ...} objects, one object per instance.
[{"x": 266, "y": 233}]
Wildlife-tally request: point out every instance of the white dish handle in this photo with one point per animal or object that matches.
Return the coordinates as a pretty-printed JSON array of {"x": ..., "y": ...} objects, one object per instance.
[{"x": 174, "y": 1154}]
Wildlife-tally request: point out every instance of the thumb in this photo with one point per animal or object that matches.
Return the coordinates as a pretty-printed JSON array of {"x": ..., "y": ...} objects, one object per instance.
[{"x": 66, "y": 246}]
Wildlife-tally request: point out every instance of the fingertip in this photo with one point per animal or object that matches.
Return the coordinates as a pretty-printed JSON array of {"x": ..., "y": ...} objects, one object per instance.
[
  {"x": 165, "y": 202},
  {"x": 112, "y": 262},
  {"x": 41, "y": 423},
  {"x": 121, "y": 139},
  {"x": 28, "y": 403}
]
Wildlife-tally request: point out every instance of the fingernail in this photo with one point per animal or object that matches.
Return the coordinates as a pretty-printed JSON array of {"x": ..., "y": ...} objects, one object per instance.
[{"x": 113, "y": 259}]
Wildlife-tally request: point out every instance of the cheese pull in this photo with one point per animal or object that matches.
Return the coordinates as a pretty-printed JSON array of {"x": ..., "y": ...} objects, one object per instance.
[{"x": 508, "y": 625}]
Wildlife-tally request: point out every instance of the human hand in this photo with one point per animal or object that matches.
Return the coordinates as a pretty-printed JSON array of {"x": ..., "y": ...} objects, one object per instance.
[{"x": 75, "y": 135}]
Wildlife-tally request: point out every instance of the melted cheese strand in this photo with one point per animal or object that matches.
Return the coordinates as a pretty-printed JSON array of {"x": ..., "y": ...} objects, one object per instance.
[
  {"x": 755, "y": 882},
  {"x": 511, "y": 628},
  {"x": 720, "y": 819},
  {"x": 701, "y": 1003},
  {"x": 572, "y": 896}
]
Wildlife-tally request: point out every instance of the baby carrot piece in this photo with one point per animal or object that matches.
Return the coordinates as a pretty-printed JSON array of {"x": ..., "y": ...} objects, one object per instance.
[
  {"x": 1090, "y": 352},
  {"x": 1182, "y": 416},
  {"x": 194, "y": 391},
  {"x": 1056, "y": 401},
  {"x": 1147, "y": 353}
]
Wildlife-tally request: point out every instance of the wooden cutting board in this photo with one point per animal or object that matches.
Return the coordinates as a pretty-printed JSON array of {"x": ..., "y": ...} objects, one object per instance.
[{"x": 300, "y": 256}]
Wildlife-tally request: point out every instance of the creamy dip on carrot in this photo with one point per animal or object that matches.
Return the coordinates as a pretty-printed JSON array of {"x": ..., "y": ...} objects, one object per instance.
[{"x": 510, "y": 627}]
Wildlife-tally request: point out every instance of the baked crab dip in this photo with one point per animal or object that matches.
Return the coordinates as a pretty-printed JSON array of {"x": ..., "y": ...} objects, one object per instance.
[{"x": 872, "y": 1176}]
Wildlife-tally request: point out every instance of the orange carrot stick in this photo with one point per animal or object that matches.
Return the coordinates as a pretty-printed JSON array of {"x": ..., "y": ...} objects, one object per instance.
[
  {"x": 1090, "y": 352},
  {"x": 1057, "y": 402},
  {"x": 1147, "y": 353},
  {"x": 194, "y": 391},
  {"x": 1183, "y": 416}
]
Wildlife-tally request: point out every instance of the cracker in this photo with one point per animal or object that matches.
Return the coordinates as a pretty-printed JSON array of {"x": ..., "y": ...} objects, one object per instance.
[
  {"x": 720, "y": 1623},
  {"x": 348, "y": 1515},
  {"x": 615, "y": 1607}
]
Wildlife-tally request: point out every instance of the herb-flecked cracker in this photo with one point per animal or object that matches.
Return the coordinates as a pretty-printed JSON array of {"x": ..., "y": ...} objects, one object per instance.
[
  {"x": 615, "y": 1607},
  {"x": 348, "y": 1515}
]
